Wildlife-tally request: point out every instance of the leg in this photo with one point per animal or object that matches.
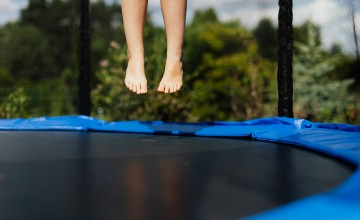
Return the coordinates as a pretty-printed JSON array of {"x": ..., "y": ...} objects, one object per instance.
[
  {"x": 134, "y": 13},
  {"x": 174, "y": 12}
]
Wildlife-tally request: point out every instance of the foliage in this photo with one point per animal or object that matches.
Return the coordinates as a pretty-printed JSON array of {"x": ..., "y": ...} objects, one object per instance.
[
  {"x": 23, "y": 47},
  {"x": 302, "y": 32},
  {"x": 317, "y": 96},
  {"x": 39, "y": 52},
  {"x": 225, "y": 78},
  {"x": 266, "y": 36},
  {"x": 229, "y": 71},
  {"x": 231, "y": 79},
  {"x": 14, "y": 104},
  {"x": 44, "y": 42},
  {"x": 5, "y": 78},
  {"x": 54, "y": 97}
]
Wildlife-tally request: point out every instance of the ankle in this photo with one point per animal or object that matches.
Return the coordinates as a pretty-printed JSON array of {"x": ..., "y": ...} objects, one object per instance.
[
  {"x": 135, "y": 53},
  {"x": 174, "y": 54}
]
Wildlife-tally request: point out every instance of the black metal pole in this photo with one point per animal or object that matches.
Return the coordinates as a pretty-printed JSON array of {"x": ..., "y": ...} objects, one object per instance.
[
  {"x": 84, "y": 59},
  {"x": 285, "y": 58}
]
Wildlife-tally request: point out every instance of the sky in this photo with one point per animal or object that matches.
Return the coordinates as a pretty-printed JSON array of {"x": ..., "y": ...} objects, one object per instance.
[{"x": 331, "y": 15}]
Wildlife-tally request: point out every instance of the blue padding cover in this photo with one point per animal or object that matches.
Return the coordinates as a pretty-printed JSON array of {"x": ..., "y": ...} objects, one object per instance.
[{"x": 338, "y": 140}]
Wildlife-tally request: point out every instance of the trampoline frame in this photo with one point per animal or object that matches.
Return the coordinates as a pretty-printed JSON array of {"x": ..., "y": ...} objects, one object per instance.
[{"x": 340, "y": 141}]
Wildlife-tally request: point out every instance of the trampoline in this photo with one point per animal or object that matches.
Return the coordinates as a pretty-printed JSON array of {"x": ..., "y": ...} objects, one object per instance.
[
  {"x": 78, "y": 167},
  {"x": 83, "y": 168}
]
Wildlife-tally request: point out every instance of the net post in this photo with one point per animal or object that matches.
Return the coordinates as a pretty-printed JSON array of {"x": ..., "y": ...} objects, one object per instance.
[
  {"x": 285, "y": 59},
  {"x": 84, "y": 59}
]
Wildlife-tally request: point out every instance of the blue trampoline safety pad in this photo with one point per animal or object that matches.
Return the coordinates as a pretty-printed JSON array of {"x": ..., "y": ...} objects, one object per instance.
[{"x": 338, "y": 140}]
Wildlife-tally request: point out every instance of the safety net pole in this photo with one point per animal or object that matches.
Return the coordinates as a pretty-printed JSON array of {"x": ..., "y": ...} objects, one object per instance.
[
  {"x": 285, "y": 59},
  {"x": 84, "y": 59}
]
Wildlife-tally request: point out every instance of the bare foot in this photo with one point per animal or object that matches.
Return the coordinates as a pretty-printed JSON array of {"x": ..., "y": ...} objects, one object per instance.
[
  {"x": 135, "y": 79},
  {"x": 171, "y": 82}
]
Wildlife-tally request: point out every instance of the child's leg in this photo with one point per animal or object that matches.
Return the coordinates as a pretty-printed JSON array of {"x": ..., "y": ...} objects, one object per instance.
[
  {"x": 134, "y": 13},
  {"x": 174, "y": 12}
]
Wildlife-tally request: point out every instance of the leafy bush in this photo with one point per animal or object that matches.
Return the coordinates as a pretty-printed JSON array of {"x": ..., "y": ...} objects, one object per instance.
[{"x": 13, "y": 106}]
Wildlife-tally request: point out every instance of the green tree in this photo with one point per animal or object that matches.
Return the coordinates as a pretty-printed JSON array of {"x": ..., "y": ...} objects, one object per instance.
[
  {"x": 301, "y": 34},
  {"x": 317, "y": 96},
  {"x": 266, "y": 36},
  {"x": 58, "y": 21},
  {"x": 24, "y": 53},
  {"x": 233, "y": 81},
  {"x": 40, "y": 51}
]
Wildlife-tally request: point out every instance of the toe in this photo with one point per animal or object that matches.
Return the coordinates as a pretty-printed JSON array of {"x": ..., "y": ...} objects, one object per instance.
[
  {"x": 138, "y": 90},
  {"x": 134, "y": 87},
  {"x": 143, "y": 88},
  {"x": 128, "y": 85},
  {"x": 161, "y": 87},
  {"x": 171, "y": 89},
  {"x": 167, "y": 89}
]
